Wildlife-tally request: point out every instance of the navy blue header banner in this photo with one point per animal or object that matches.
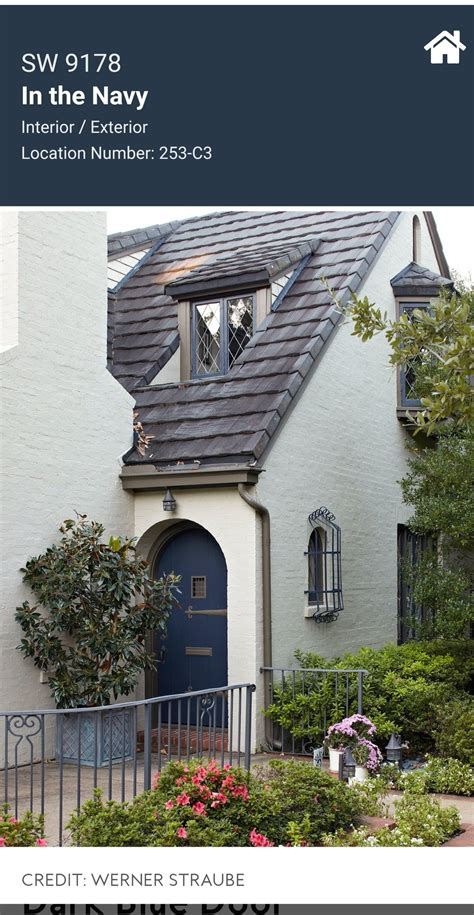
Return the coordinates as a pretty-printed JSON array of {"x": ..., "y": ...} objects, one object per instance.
[{"x": 237, "y": 105}]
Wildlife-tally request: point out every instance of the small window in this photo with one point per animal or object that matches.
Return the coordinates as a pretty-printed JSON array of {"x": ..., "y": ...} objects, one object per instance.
[
  {"x": 324, "y": 591},
  {"x": 412, "y": 549},
  {"x": 220, "y": 332},
  {"x": 409, "y": 395},
  {"x": 416, "y": 240},
  {"x": 198, "y": 587}
]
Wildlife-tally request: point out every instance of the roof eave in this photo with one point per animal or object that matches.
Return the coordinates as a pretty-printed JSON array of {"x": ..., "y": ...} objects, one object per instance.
[{"x": 147, "y": 477}]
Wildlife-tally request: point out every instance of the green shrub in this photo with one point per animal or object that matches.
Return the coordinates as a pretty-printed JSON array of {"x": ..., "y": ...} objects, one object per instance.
[
  {"x": 295, "y": 792},
  {"x": 449, "y": 776},
  {"x": 405, "y": 687},
  {"x": 284, "y": 803},
  {"x": 22, "y": 832},
  {"x": 420, "y": 821},
  {"x": 454, "y": 729},
  {"x": 438, "y": 776}
]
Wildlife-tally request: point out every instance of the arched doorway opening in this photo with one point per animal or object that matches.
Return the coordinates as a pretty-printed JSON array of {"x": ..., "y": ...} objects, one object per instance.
[{"x": 193, "y": 655}]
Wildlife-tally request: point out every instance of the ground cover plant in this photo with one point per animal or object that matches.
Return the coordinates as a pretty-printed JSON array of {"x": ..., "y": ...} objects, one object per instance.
[
  {"x": 420, "y": 690},
  {"x": 419, "y": 821},
  {"x": 437, "y": 776},
  {"x": 196, "y": 804}
]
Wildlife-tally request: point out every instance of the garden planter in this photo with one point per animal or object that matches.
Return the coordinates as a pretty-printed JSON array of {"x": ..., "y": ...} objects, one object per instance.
[
  {"x": 101, "y": 738},
  {"x": 334, "y": 757},
  {"x": 361, "y": 774}
]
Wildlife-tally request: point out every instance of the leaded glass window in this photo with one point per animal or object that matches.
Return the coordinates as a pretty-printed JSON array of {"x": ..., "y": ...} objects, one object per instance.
[
  {"x": 409, "y": 373},
  {"x": 208, "y": 338},
  {"x": 221, "y": 331},
  {"x": 239, "y": 324}
]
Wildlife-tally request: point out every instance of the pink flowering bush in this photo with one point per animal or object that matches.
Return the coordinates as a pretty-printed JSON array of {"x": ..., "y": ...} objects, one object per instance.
[
  {"x": 204, "y": 804},
  {"x": 24, "y": 832}
]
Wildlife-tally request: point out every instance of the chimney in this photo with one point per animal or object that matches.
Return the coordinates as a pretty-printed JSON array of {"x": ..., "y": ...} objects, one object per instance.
[{"x": 457, "y": 36}]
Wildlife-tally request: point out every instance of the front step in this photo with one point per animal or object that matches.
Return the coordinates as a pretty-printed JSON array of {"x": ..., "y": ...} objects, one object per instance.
[{"x": 175, "y": 739}]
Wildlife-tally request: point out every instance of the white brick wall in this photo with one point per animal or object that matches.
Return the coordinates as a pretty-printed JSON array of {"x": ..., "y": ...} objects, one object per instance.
[
  {"x": 343, "y": 447},
  {"x": 65, "y": 420}
]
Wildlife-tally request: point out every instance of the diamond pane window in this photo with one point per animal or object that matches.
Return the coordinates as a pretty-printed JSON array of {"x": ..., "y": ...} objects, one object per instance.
[
  {"x": 239, "y": 324},
  {"x": 220, "y": 333},
  {"x": 208, "y": 338},
  {"x": 409, "y": 396}
]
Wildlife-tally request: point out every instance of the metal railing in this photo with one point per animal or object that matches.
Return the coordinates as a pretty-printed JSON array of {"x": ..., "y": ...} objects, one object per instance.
[
  {"x": 302, "y": 703},
  {"x": 54, "y": 759}
]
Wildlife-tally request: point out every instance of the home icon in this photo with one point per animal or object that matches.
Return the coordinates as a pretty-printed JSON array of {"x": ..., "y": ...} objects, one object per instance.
[{"x": 445, "y": 48}]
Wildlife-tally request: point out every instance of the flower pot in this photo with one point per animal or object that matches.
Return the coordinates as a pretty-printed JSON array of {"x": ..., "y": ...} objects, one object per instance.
[
  {"x": 95, "y": 738},
  {"x": 361, "y": 774},
  {"x": 334, "y": 757}
]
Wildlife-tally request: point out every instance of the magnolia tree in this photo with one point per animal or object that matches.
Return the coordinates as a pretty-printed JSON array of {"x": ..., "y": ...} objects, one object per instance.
[
  {"x": 96, "y": 605},
  {"x": 439, "y": 342}
]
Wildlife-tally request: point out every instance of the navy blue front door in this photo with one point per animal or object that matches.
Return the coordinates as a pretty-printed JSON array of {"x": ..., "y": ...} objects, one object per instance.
[{"x": 194, "y": 653}]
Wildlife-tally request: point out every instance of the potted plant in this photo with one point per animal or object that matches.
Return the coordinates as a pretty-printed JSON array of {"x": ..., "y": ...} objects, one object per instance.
[
  {"x": 340, "y": 736},
  {"x": 360, "y": 753},
  {"x": 88, "y": 632}
]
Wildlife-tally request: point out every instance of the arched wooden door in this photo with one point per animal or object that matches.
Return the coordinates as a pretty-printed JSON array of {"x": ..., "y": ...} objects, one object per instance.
[{"x": 193, "y": 656}]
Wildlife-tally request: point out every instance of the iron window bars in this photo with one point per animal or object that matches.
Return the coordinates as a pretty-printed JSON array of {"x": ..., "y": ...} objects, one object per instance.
[
  {"x": 221, "y": 330},
  {"x": 412, "y": 550},
  {"x": 324, "y": 566}
]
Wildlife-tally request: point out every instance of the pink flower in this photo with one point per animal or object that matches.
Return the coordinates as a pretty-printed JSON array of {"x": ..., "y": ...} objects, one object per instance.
[
  {"x": 13, "y": 820},
  {"x": 41, "y": 842},
  {"x": 241, "y": 791},
  {"x": 181, "y": 833},
  {"x": 169, "y": 805},
  {"x": 201, "y": 773},
  {"x": 156, "y": 779},
  {"x": 228, "y": 782},
  {"x": 2, "y": 842},
  {"x": 226, "y": 767},
  {"x": 196, "y": 779},
  {"x": 183, "y": 799},
  {"x": 180, "y": 781},
  {"x": 259, "y": 841},
  {"x": 199, "y": 808}
]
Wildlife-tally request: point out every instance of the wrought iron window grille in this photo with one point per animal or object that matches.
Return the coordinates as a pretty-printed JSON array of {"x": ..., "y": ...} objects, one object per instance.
[{"x": 324, "y": 590}]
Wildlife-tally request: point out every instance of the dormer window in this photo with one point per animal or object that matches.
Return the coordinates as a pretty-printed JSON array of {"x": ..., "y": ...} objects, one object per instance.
[
  {"x": 221, "y": 330},
  {"x": 414, "y": 288}
]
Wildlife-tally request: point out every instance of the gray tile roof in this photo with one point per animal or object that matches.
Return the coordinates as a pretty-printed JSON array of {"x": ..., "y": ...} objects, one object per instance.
[
  {"x": 246, "y": 265},
  {"x": 416, "y": 280},
  {"x": 232, "y": 419}
]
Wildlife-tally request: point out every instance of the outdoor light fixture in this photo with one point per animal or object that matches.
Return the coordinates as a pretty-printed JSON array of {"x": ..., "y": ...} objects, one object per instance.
[
  {"x": 394, "y": 750},
  {"x": 169, "y": 501},
  {"x": 349, "y": 764}
]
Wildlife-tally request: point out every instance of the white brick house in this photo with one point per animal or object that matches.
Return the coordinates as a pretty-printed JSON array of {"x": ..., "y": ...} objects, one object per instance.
[{"x": 262, "y": 409}]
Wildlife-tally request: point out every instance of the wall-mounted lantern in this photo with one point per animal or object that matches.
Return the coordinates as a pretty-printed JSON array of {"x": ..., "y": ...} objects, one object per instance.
[{"x": 169, "y": 501}]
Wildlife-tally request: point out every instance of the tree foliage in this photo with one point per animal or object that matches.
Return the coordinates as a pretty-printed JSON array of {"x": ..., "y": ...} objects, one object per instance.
[
  {"x": 441, "y": 341},
  {"x": 96, "y": 604}
]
